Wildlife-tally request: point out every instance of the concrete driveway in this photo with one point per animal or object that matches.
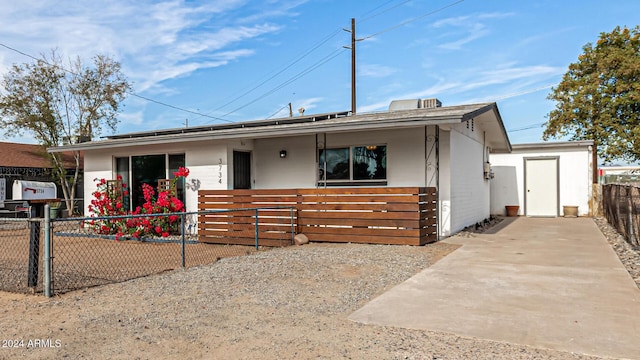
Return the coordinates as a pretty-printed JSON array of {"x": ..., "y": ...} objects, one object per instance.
[{"x": 552, "y": 283}]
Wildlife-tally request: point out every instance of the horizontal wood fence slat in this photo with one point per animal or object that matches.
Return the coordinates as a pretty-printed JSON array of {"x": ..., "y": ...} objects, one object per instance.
[{"x": 396, "y": 215}]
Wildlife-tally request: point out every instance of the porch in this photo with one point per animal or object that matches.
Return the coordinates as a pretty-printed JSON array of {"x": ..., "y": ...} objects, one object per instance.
[{"x": 379, "y": 215}]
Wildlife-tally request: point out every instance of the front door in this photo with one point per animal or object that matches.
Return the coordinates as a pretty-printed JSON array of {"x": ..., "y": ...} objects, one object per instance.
[
  {"x": 241, "y": 170},
  {"x": 541, "y": 187}
]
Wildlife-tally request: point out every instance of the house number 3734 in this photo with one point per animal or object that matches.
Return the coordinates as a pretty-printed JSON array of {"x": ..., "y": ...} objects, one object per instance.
[{"x": 219, "y": 170}]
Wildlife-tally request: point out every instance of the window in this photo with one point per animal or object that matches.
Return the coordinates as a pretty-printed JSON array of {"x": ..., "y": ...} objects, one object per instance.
[
  {"x": 137, "y": 170},
  {"x": 352, "y": 165},
  {"x": 337, "y": 164},
  {"x": 122, "y": 169},
  {"x": 176, "y": 161}
]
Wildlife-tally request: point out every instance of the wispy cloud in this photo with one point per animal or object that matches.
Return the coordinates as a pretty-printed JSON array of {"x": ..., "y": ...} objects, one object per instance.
[
  {"x": 375, "y": 70},
  {"x": 154, "y": 40},
  {"x": 495, "y": 83},
  {"x": 275, "y": 8},
  {"x": 465, "y": 29}
]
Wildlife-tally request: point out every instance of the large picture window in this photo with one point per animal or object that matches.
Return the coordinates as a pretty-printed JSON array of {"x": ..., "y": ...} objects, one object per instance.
[
  {"x": 354, "y": 164},
  {"x": 137, "y": 170}
]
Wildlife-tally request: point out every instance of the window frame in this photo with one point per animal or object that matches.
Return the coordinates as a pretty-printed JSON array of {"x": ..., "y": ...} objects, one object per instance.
[
  {"x": 351, "y": 181},
  {"x": 129, "y": 203}
]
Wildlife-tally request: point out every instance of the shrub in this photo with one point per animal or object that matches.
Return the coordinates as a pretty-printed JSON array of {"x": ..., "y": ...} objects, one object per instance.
[{"x": 108, "y": 201}]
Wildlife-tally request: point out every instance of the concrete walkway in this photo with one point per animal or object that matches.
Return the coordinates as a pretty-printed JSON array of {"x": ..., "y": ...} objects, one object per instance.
[{"x": 552, "y": 283}]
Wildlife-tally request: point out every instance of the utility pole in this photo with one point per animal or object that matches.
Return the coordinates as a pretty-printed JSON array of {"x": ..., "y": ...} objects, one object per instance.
[
  {"x": 353, "y": 64},
  {"x": 290, "y": 110}
]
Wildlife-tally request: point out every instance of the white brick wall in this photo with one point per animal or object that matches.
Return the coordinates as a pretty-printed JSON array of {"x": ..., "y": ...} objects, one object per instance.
[{"x": 470, "y": 197}]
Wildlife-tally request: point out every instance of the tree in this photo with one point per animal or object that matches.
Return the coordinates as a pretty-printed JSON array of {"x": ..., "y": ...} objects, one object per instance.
[
  {"x": 61, "y": 105},
  {"x": 599, "y": 97}
]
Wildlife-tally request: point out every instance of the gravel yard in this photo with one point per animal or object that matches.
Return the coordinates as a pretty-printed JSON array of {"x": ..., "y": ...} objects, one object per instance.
[{"x": 288, "y": 303}]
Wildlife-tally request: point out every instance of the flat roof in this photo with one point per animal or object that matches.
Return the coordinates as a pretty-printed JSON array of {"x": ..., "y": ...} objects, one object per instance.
[{"x": 312, "y": 124}]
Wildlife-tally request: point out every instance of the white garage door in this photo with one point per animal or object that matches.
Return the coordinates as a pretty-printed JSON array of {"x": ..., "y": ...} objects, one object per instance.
[{"x": 541, "y": 186}]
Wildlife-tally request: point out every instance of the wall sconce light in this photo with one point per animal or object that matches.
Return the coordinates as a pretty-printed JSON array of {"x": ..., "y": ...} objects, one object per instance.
[{"x": 283, "y": 154}]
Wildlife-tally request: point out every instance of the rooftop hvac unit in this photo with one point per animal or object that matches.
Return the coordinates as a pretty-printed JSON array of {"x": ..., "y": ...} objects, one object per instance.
[
  {"x": 405, "y": 104},
  {"x": 431, "y": 103}
]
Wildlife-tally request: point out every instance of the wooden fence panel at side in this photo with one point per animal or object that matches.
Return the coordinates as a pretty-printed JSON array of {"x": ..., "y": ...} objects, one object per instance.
[{"x": 405, "y": 215}]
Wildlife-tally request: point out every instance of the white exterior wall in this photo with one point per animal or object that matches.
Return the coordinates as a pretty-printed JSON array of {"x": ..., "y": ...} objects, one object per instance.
[
  {"x": 297, "y": 170},
  {"x": 97, "y": 165},
  {"x": 405, "y": 157},
  {"x": 444, "y": 189},
  {"x": 206, "y": 161},
  {"x": 469, "y": 193},
  {"x": 575, "y": 174}
]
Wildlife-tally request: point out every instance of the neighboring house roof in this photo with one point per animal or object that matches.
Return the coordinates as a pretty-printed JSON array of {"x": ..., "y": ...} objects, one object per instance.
[
  {"x": 28, "y": 156},
  {"x": 486, "y": 114}
]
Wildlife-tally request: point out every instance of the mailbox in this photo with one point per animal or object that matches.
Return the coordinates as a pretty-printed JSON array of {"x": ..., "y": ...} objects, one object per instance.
[{"x": 34, "y": 190}]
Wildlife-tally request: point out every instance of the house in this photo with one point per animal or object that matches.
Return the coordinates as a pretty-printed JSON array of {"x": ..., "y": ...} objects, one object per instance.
[
  {"x": 544, "y": 178},
  {"x": 27, "y": 162},
  {"x": 416, "y": 145}
]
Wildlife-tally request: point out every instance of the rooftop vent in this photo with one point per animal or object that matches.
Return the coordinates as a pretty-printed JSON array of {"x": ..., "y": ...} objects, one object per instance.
[{"x": 414, "y": 104}]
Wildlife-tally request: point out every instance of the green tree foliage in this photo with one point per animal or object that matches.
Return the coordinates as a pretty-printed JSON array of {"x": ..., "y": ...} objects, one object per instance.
[
  {"x": 599, "y": 97},
  {"x": 61, "y": 104}
]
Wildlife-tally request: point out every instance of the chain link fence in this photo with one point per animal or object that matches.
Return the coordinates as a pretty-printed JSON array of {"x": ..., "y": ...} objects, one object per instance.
[
  {"x": 20, "y": 260},
  {"x": 84, "y": 255},
  {"x": 621, "y": 206}
]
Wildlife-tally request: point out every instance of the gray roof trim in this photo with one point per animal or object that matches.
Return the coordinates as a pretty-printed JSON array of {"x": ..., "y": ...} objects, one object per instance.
[
  {"x": 502, "y": 128},
  {"x": 553, "y": 144},
  {"x": 276, "y": 128}
]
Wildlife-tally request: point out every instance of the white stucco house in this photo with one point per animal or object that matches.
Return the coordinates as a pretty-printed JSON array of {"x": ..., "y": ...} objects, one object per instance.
[
  {"x": 543, "y": 178},
  {"x": 417, "y": 143}
]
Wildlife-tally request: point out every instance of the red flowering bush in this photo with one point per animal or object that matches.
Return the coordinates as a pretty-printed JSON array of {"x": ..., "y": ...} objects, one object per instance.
[{"x": 108, "y": 201}]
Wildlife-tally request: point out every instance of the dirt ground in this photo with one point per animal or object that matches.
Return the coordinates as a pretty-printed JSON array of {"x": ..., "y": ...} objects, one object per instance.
[
  {"x": 289, "y": 303},
  {"x": 156, "y": 317}
]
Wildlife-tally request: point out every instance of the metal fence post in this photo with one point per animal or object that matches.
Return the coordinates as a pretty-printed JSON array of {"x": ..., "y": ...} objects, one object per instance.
[
  {"x": 34, "y": 252},
  {"x": 46, "y": 261},
  {"x": 256, "y": 229},
  {"x": 293, "y": 230},
  {"x": 617, "y": 199},
  {"x": 183, "y": 240},
  {"x": 632, "y": 234}
]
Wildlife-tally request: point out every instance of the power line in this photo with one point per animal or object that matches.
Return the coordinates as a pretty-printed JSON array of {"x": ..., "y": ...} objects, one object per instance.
[
  {"x": 383, "y": 11},
  {"x": 413, "y": 19},
  {"x": 274, "y": 114},
  {"x": 528, "y": 127},
  {"x": 313, "y": 48},
  {"x": 290, "y": 80},
  {"x": 313, "y": 67},
  {"x": 304, "y": 55},
  {"x": 130, "y": 92},
  {"x": 178, "y": 108}
]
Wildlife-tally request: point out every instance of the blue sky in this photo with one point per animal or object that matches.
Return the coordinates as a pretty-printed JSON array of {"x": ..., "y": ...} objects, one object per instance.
[{"x": 241, "y": 60}]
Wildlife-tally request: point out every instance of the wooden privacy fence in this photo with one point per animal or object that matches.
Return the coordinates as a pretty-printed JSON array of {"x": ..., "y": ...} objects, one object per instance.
[
  {"x": 402, "y": 215},
  {"x": 621, "y": 206}
]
